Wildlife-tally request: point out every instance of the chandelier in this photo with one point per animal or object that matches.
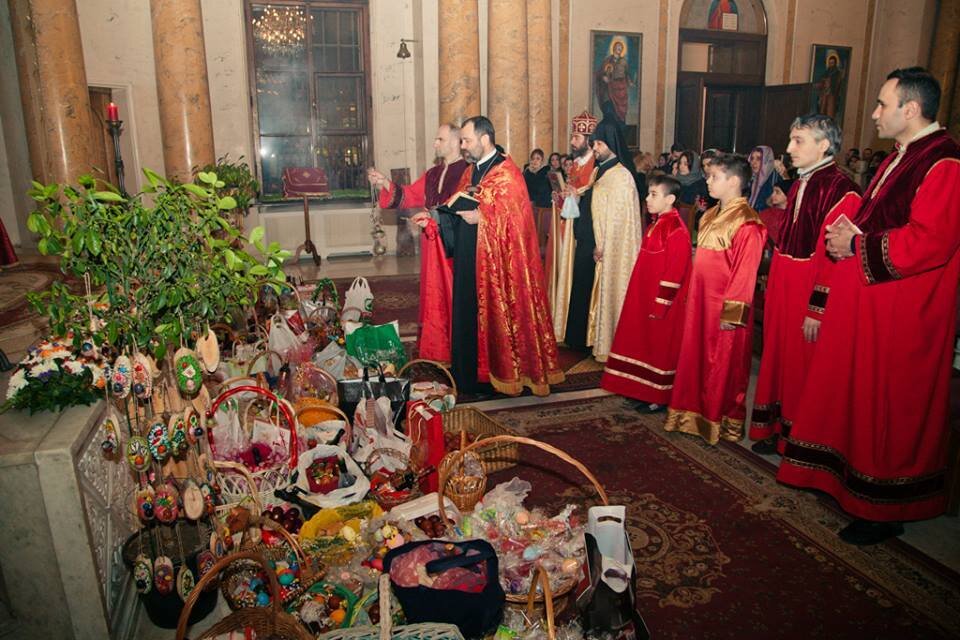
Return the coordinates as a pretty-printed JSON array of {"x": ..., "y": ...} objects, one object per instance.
[{"x": 281, "y": 31}]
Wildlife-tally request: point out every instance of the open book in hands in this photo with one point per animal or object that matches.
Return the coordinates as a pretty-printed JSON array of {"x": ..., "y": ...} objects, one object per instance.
[
  {"x": 843, "y": 222},
  {"x": 459, "y": 201}
]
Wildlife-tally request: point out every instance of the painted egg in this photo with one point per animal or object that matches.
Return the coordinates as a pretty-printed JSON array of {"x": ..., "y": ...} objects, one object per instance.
[
  {"x": 163, "y": 575},
  {"x": 158, "y": 441},
  {"x": 532, "y": 552},
  {"x": 522, "y": 517},
  {"x": 185, "y": 582},
  {"x": 146, "y": 498},
  {"x": 142, "y": 574},
  {"x": 120, "y": 377},
  {"x": 192, "y": 422},
  {"x": 138, "y": 453},
  {"x": 110, "y": 431},
  {"x": 177, "y": 434},
  {"x": 570, "y": 565},
  {"x": 188, "y": 372},
  {"x": 165, "y": 505},
  {"x": 205, "y": 562},
  {"x": 142, "y": 376}
]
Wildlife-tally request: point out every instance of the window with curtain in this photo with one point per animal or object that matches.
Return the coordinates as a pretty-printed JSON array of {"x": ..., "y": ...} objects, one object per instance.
[{"x": 311, "y": 92}]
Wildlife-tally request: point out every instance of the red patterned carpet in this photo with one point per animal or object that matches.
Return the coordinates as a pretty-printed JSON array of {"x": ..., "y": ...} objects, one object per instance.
[
  {"x": 398, "y": 297},
  {"x": 722, "y": 550}
]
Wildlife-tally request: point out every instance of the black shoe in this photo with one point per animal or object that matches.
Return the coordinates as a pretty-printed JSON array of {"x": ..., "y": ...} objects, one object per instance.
[
  {"x": 765, "y": 447},
  {"x": 650, "y": 408},
  {"x": 866, "y": 532}
]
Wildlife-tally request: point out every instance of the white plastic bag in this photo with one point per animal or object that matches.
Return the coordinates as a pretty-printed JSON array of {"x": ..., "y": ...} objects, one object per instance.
[
  {"x": 337, "y": 497},
  {"x": 570, "y": 209},
  {"x": 282, "y": 338},
  {"x": 358, "y": 300}
]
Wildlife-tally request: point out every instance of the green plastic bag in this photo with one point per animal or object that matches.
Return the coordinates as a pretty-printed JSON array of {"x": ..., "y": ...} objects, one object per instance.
[{"x": 376, "y": 344}]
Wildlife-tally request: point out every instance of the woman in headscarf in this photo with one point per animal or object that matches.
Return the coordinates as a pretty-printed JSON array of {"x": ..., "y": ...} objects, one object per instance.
[
  {"x": 764, "y": 177},
  {"x": 693, "y": 185}
]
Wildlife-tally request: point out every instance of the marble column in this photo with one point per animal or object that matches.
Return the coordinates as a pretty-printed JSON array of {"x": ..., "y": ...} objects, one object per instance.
[
  {"x": 507, "y": 91},
  {"x": 182, "y": 90},
  {"x": 540, "y": 74},
  {"x": 563, "y": 79},
  {"x": 53, "y": 88},
  {"x": 944, "y": 56},
  {"x": 459, "y": 57}
]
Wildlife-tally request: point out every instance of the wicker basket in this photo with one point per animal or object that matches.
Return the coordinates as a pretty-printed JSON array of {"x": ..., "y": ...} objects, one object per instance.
[
  {"x": 267, "y": 622},
  {"x": 463, "y": 489},
  {"x": 387, "y": 500},
  {"x": 410, "y": 369},
  {"x": 496, "y": 456},
  {"x": 385, "y": 630},
  {"x": 544, "y": 594}
]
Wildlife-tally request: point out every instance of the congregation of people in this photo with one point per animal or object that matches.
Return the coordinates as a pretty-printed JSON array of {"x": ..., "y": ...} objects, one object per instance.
[{"x": 651, "y": 265}]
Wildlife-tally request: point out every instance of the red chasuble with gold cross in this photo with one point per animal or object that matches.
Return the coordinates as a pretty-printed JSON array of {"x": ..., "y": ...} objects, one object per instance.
[
  {"x": 871, "y": 429},
  {"x": 516, "y": 347},
  {"x": 643, "y": 359},
  {"x": 710, "y": 387},
  {"x": 815, "y": 200}
]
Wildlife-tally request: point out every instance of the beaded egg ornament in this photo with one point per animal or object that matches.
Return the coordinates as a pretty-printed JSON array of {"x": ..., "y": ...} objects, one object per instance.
[
  {"x": 142, "y": 376},
  {"x": 163, "y": 575},
  {"x": 138, "y": 453},
  {"x": 158, "y": 441},
  {"x": 142, "y": 574},
  {"x": 120, "y": 377},
  {"x": 186, "y": 367}
]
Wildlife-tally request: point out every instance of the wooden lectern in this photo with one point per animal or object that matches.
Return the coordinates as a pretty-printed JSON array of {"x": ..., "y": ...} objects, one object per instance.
[{"x": 306, "y": 183}]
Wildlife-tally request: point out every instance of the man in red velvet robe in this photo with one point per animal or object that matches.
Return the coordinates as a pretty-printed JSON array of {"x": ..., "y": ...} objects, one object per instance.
[
  {"x": 436, "y": 276},
  {"x": 643, "y": 359},
  {"x": 871, "y": 429},
  {"x": 710, "y": 387},
  {"x": 502, "y": 332},
  {"x": 818, "y": 197}
]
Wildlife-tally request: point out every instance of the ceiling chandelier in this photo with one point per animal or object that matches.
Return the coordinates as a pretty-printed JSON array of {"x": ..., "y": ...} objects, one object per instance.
[{"x": 281, "y": 31}]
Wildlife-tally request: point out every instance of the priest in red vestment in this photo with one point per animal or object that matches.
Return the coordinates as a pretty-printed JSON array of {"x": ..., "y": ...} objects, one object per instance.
[
  {"x": 643, "y": 359},
  {"x": 871, "y": 429},
  {"x": 710, "y": 387},
  {"x": 820, "y": 194},
  {"x": 436, "y": 276},
  {"x": 504, "y": 302}
]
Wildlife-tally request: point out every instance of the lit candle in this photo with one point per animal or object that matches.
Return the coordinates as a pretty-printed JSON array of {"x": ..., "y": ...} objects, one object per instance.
[{"x": 113, "y": 114}]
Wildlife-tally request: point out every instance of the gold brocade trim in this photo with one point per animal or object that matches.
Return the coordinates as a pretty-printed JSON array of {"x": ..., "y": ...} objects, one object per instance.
[
  {"x": 864, "y": 262},
  {"x": 821, "y": 288},
  {"x": 900, "y": 480},
  {"x": 816, "y": 309},
  {"x": 659, "y": 387},
  {"x": 672, "y": 285},
  {"x": 735, "y": 312},
  {"x": 662, "y": 301},
  {"x": 640, "y": 363},
  {"x": 695, "y": 424},
  {"x": 515, "y": 387},
  {"x": 717, "y": 227},
  {"x": 887, "y": 262}
]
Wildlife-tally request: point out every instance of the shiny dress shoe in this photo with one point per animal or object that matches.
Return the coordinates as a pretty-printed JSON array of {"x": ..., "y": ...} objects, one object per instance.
[
  {"x": 765, "y": 447},
  {"x": 867, "y": 532},
  {"x": 650, "y": 407}
]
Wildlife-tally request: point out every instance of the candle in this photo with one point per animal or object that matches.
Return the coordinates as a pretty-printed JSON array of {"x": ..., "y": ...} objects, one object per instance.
[{"x": 113, "y": 114}]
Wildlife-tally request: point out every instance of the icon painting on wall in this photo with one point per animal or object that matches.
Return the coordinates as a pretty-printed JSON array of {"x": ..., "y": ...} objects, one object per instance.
[
  {"x": 829, "y": 73},
  {"x": 615, "y": 79}
]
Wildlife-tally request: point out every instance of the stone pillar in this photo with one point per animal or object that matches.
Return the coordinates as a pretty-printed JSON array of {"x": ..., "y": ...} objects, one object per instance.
[
  {"x": 944, "y": 56},
  {"x": 53, "y": 88},
  {"x": 563, "y": 79},
  {"x": 507, "y": 99},
  {"x": 540, "y": 74},
  {"x": 459, "y": 56},
  {"x": 182, "y": 90}
]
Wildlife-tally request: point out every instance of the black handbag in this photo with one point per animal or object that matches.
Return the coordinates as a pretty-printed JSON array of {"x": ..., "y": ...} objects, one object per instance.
[
  {"x": 353, "y": 391},
  {"x": 475, "y": 614}
]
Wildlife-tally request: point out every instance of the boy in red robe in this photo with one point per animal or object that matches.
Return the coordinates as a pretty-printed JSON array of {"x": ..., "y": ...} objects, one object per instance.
[
  {"x": 434, "y": 187},
  {"x": 871, "y": 429},
  {"x": 818, "y": 197},
  {"x": 710, "y": 387},
  {"x": 643, "y": 359}
]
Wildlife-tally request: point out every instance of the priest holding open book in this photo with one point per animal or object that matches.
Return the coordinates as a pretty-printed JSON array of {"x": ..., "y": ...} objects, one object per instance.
[{"x": 502, "y": 332}]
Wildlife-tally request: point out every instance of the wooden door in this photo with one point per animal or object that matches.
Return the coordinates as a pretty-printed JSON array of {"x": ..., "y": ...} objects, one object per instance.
[
  {"x": 780, "y": 104},
  {"x": 688, "y": 128}
]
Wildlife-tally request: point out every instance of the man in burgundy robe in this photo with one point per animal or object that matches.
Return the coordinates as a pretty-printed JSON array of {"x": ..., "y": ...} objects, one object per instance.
[
  {"x": 820, "y": 194},
  {"x": 871, "y": 428},
  {"x": 643, "y": 359},
  {"x": 436, "y": 277},
  {"x": 502, "y": 332},
  {"x": 710, "y": 387}
]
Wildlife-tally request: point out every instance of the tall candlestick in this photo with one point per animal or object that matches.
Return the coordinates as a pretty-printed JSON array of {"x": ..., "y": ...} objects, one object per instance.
[{"x": 113, "y": 113}]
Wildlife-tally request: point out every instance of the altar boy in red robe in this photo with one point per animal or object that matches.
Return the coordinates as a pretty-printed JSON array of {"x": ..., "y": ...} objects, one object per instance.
[
  {"x": 872, "y": 427},
  {"x": 643, "y": 359},
  {"x": 710, "y": 387},
  {"x": 796, "y": 296}
]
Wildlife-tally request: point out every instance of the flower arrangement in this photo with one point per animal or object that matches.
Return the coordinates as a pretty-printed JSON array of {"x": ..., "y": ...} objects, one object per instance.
[{"x": 53, "y": 377}]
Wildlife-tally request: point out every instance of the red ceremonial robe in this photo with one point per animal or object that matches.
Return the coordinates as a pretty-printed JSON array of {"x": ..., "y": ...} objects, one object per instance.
[
  {"x": 515, "y": 342},
  {"x": 710, "y": 388},
  {"x": 434, "y": 187},
  {"x": 871, "y": 429},
  {"x": 643, "y": 359},
  {"x": 814, "y": 201}
]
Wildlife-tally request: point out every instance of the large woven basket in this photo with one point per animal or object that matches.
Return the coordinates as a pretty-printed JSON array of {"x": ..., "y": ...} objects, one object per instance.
[
  {"x": 544, "y": 594},
  {"x": 496, "y": 456},
  {"x": 267, "y": 622},
  {"x": 385, "y": 630}
]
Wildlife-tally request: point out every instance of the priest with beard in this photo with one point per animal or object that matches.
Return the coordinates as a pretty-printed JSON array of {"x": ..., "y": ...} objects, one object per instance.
[
  {"x": 434, "y": 187},
  {"x": 502, "y": 338}
]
